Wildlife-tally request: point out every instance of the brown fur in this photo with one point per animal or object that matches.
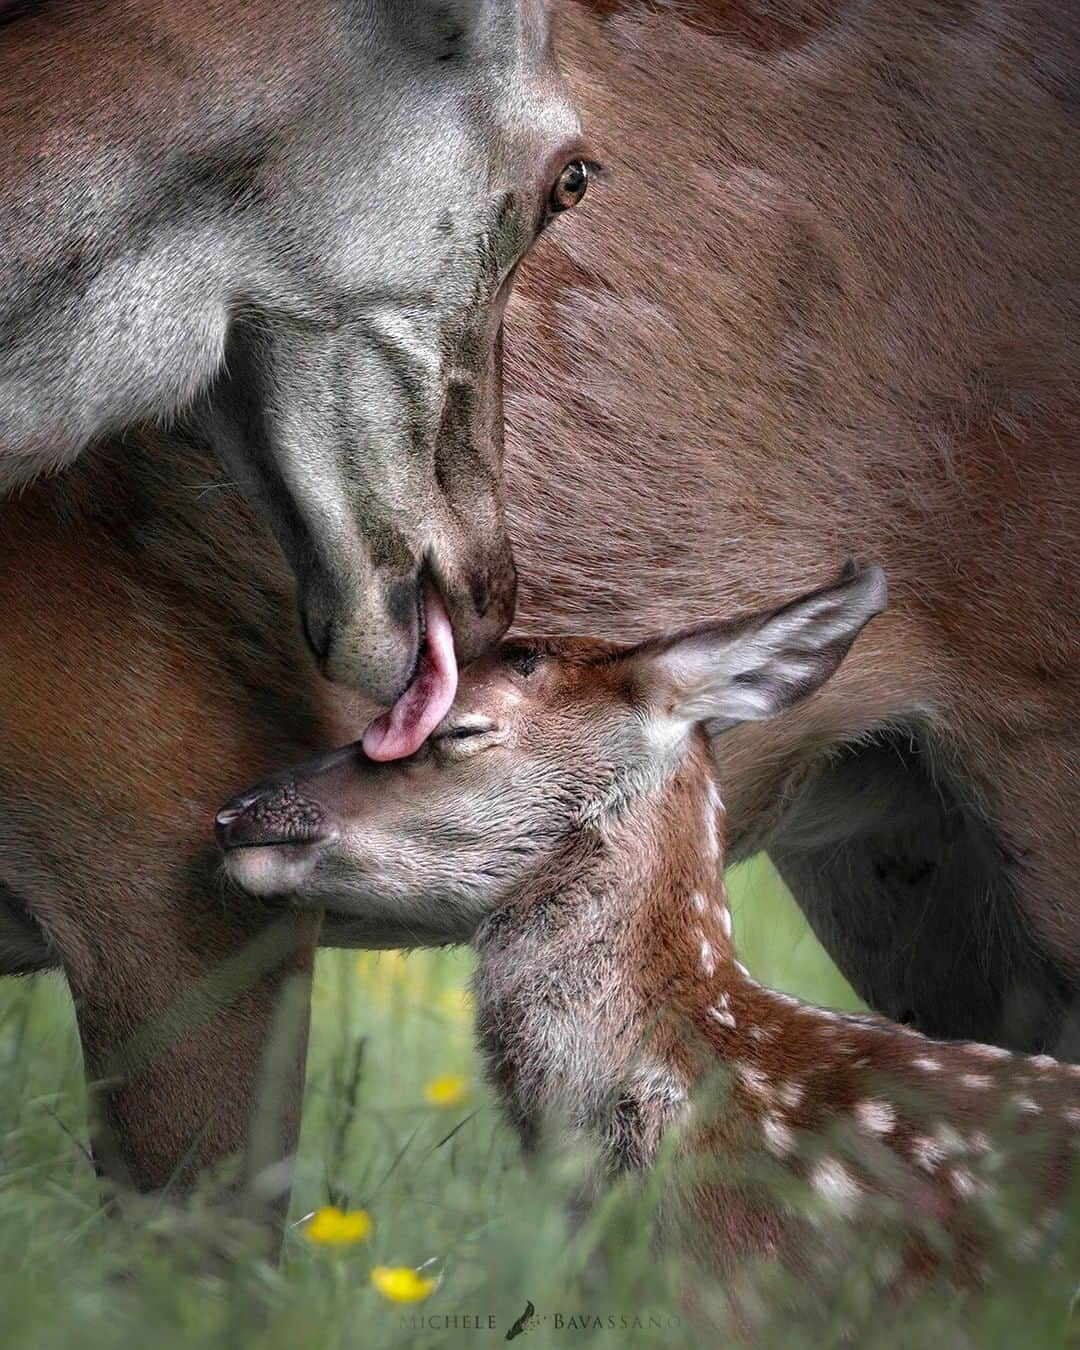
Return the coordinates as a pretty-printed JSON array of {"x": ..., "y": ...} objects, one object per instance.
[
  {"x": 849, "y": 1105},
  {"x": 825, "y": 306},
  {"x": 116, "y": 866},
  {"x": 567, "y": 820},
  {"x": 826, "y": 311}
]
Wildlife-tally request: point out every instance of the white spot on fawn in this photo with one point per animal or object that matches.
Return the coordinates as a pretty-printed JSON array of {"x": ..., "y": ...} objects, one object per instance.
[
  {"x": 836, "y": 1184},
  {"x": 754, "y": 1080},
  {"x": 927, "y": 1064},
  {"x": 791, "y": 1094},
  {"x": 989, "y": 1051},
  {"x": 708, "y": 958},
  {"x": 1028, "y": 1105},
  {"x": 778, "y": 1137},
  {"x": 875, "y": 1117},
  {"x": 724, "y": 915},
  {"x": 698, "y": 902},
  {"x": 712, "y": 834},
  {"x": 724, "y": 1018},
  {"x": 978, "y": 1081}
]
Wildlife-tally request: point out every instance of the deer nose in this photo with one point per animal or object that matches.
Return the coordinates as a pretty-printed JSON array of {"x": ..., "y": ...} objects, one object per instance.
[{"x": 266, "y": 816}]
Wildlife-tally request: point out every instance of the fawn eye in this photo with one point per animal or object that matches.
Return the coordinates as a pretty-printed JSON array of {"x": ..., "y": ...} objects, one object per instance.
[
  {"x": 569, "y": 188},
  {"x": 520, "y": 658},
  {"x": 468, "y": 737},
  {"x": 463, "y": 733}
]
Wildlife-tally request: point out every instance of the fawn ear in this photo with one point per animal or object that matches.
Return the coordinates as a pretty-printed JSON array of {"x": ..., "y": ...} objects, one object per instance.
[{"x": 723, "y": 674}]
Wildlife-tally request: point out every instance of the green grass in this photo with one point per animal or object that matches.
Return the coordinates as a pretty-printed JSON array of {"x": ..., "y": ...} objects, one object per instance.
[{"x": 447, "y": 1191}]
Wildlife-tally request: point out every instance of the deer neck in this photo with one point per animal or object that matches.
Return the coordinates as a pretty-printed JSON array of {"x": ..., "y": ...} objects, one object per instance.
[
  {"x": 595, "y": 988},
  {"x": 609, "y": 996}
]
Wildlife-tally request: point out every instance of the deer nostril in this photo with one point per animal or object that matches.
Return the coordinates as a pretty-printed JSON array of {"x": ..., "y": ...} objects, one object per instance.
[{"x": 278, "y": 815}]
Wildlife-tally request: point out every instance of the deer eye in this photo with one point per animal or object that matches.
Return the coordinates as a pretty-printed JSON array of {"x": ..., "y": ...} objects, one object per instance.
[
  {"x": 466, "y": 738},
  {"x": 463, "y": 733},
  {"x": 520, "y": 658},
  {"x": 569, "y": 188}
]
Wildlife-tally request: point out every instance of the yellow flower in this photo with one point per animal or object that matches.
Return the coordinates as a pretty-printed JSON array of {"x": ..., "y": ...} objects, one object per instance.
[
  {"x": 333, "y": 1227},
  {"x": 450, "y": 1089},
  {"x": 402, "y": 1284}
]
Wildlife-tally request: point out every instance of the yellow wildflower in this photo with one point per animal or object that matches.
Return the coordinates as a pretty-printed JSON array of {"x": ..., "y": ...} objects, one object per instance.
[
  {"x": 402, "y": 1284},
  {"x": 333, "y": 1227},
  {"x": 450, "y": 1089}
]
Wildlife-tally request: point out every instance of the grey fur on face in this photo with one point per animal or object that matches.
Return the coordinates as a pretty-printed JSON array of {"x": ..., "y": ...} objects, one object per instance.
[{"x": 300, "y": 248}]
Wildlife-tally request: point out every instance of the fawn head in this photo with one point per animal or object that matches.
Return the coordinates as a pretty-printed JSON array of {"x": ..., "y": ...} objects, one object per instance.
[{"x": 546, "y": 738}]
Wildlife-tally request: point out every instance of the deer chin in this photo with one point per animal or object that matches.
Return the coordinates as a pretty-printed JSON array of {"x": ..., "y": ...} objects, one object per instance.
[
  {"x": 271, "y": 871},
  {"x": 402, "y": 730}
]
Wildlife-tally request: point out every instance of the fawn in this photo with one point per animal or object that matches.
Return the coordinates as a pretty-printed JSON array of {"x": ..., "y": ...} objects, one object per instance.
[{"x": 566, "y": 820}]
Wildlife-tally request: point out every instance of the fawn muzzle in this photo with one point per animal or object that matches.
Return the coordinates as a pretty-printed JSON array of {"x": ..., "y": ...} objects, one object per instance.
[
  {"x": 273, "y": 836},
  {"x": 266, "y": 817}
]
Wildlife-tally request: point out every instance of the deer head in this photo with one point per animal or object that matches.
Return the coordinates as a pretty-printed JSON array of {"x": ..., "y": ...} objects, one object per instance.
[
  {"x": 547, "y": 738},
  {"x": 290, "y": 232},
  {"x": 360, "y": 402}
]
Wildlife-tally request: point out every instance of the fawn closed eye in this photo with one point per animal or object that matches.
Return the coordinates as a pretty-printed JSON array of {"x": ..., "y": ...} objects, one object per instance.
[{"x": 467, "y": 738}]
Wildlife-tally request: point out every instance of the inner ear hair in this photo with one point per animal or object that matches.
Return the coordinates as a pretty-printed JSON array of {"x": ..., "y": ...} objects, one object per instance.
[{"x": 756, "y": 667}]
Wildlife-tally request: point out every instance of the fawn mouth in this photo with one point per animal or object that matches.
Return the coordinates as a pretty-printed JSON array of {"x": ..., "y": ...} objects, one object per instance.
[
  {"x": 271, "y": 871},
  {"x": 272, "y": 838}
]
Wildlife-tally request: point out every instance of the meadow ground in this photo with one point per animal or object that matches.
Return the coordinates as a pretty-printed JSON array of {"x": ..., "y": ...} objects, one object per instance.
[{"x": 397, "y": 1124}]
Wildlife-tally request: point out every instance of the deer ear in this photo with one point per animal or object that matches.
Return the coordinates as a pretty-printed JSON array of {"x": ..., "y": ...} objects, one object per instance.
[{"x": 723, "y": 674}]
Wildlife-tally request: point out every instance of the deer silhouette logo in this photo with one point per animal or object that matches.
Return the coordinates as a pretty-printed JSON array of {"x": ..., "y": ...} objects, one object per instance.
[{"x": 522, "y": 1323}]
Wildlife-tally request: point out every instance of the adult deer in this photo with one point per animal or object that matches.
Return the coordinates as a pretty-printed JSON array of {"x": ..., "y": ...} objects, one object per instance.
[
  {"x": 286, "y": 233},
  {"x": 292, "y": 230},
  {"x": 825, "y": 306},
  {"x": 566, "y": 819}
]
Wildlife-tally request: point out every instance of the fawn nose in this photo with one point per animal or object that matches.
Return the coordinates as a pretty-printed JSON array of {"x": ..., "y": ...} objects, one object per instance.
[
  {"x": 272, "y": 815},
  {"x": 272, "y": 838}
]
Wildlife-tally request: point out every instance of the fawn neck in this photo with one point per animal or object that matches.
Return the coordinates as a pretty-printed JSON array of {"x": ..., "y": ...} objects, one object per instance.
[
  {"x": 599, "y": 989},
  {"x": 608, "y": 992}
]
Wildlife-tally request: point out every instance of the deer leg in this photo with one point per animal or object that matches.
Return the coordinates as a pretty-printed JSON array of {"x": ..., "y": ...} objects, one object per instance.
[
  {"x": 912, "y": 894},
  {"x": 192, "y": 1011},
  {"x": 210, "y": 1071},
  {"x": 139, "y": 694}
]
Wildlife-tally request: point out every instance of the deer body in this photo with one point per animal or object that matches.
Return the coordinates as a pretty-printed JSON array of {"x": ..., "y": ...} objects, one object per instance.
[
  {"x": 568, "y": 822},
  {"x": 609, "y": 1001},
  {"x": 839, "y": 319},
  {"x": 823, "y": 307}
]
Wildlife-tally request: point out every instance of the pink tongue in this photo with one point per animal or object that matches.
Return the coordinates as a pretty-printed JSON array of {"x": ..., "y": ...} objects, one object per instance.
[{"x": 404, "y": 729}]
